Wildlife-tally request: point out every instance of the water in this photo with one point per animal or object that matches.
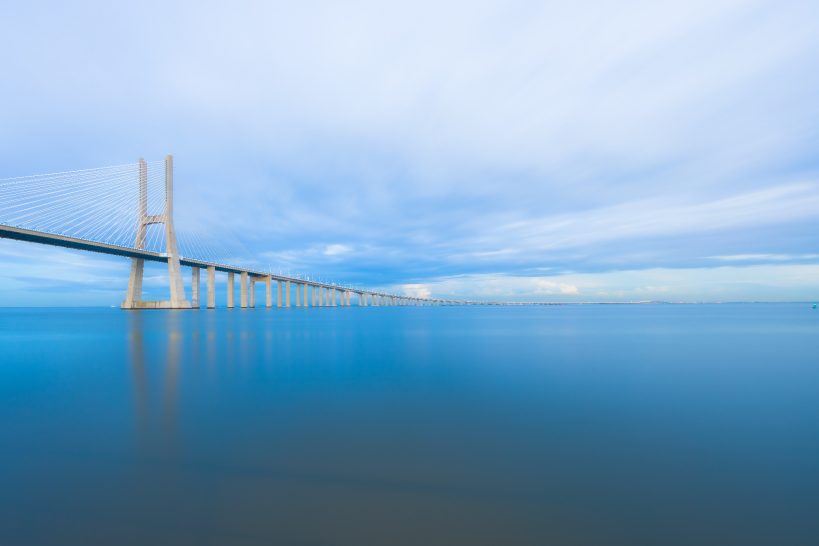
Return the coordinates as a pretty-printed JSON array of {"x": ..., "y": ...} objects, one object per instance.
[{"x": 587, "y": 425}]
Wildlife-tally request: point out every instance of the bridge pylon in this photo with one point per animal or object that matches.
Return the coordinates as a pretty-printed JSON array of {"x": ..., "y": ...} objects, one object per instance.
[{"x": 133, "y": 298}]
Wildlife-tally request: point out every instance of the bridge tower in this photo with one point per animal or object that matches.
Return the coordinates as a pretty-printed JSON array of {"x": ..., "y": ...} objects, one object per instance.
[{"x": 133, "y": 299}]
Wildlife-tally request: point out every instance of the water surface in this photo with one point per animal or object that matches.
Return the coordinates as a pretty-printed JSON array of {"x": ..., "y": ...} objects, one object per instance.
[{"x": 586, "y": 425}]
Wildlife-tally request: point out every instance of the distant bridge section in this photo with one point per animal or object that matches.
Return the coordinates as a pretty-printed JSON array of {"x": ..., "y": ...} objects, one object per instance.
[{"x": 127, "y": 211}]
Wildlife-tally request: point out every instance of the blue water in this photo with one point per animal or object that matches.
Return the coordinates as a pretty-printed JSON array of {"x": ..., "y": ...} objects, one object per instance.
[{"x": 582, "y": 425}]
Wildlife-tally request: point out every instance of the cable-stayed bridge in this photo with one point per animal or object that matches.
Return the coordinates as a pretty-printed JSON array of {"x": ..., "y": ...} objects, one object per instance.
[{"x": 127, "y": 210}]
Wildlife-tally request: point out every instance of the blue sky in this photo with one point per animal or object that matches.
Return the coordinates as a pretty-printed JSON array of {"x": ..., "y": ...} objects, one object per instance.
[{"x": 579, "y": 151}]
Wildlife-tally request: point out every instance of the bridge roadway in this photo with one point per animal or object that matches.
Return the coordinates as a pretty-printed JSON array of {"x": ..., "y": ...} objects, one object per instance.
[{"x": 21, "y": 234}]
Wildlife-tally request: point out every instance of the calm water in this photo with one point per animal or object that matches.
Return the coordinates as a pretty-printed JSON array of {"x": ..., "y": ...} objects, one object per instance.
[{"x": 588, "y": 425}]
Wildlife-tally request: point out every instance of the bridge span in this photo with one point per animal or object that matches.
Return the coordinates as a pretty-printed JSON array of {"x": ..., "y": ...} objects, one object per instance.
[{"x": 54, "y": 210}]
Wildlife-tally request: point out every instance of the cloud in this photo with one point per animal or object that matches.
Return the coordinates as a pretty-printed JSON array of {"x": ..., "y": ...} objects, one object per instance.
[
  {"x": 548, "y": 287},
  {"x": 766, "y": 257},
  {"x": 706, "y": 284},
  {"x": 399, "y": 144},
  {"x": 336, "y": 250},
  {"x": 414, "y": 290}
]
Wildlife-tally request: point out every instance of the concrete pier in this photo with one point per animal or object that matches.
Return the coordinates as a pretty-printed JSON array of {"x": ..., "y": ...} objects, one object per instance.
[
  {"x": 195, "y": 287},
  {"x": 231, "y": 292},
  {"x": 243, "y": 289},
  {"x": 306, "y": 302},
  {"x": 279, "y": 293},
  {"x": 299, "y": 287},
  {"x": 268, "y": 292},
  {"x": 287, "y": 294},
  {"x": 252, "y": 294},
  {"x": 211, "y": 287}
]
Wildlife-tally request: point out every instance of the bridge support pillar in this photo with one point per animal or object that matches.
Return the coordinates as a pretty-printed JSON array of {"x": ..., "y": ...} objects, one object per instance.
[
  {"x": 134, "y": 293},
  {"x": 211, "y": 287},
  {"x": 279, "y": 300},
  {"x": 231, "y": 292},
  {"x": 287, "y": 293},
  {"x": 268, "y": 292},
  {"x": 299, "y": 287},
  {"x": 195, "y": 287},
  {"x": 306, "y": 301},
  {"x": 252, "y": 293},
  {"x": 243, "y": 289}
]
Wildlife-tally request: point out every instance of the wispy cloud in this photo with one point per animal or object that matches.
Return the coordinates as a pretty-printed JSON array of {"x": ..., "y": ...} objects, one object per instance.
[
  {"x": 336, "y": 250},
  {"x": 394, "y": 144},
  {"x": 767, "y": 257},
  {"x": 704, "y": 284}
]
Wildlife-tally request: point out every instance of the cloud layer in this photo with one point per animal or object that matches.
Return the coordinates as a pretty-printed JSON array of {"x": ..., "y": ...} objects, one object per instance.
[{"x": 415, "y": 143}]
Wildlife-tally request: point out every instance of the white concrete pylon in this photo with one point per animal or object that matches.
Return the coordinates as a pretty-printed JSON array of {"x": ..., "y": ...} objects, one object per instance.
[
  {"x": 243, "y": 289},
  {"x": 133, "y": 297},
  {"x": 211, "y": 287},
  {"x": 195, "y": 287},
  {"x": 231, "y": 291}
]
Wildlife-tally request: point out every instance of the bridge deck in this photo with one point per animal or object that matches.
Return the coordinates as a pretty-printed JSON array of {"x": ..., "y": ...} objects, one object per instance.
[{"x": 21, "y": 234}]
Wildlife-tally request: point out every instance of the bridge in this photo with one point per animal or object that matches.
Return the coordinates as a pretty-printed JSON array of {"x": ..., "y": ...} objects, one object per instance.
[{"x": 127, "y": 210}]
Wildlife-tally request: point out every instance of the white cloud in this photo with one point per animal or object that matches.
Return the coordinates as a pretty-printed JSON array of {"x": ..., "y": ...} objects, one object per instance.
[
  {"x": 438, "y": 139},
  {"x": 336, "y": 250},
  {"x": 765, "y": 257},
  {"x": 726, "y": 283},
  {"x": 414, "y": 290}
]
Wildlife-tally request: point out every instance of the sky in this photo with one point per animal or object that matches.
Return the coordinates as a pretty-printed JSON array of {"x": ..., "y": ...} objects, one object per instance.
[{"x": 521, "y": 151}]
